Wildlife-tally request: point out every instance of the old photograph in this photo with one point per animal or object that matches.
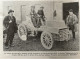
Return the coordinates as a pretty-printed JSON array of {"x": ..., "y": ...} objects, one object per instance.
[{"x": 41, "y": 25}]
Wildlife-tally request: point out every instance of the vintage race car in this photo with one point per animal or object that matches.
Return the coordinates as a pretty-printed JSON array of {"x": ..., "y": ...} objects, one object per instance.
[{"x": 53, "y": 30}]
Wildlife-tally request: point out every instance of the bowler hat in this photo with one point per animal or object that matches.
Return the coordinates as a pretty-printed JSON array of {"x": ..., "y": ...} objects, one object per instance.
[{"x": 10, "y": 11}]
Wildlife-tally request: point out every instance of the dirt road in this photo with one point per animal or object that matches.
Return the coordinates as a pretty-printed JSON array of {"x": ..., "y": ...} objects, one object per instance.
[{"x": 34, "y": 44}]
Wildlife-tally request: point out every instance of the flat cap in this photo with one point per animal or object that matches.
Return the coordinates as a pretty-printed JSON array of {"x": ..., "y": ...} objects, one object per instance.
[
  {"x": 70, "y": 10},
  {"x": 33, "y": 6},
  {"x": 41, "y": 7}
]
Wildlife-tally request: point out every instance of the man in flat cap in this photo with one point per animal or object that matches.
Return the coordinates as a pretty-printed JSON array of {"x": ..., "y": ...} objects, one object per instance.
[
  {"x": 33, "y": 15},
  {"x": 71, "y": 22},
  {"x": 41, "y": 15},
  {"x": 11, "y": 28}
]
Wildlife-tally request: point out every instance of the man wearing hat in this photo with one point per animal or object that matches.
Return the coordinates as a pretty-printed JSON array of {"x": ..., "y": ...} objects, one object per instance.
[
  {"x": 33, "y": 15},
  {"x": 11, "y": 28},
  {"x": 41, "y": 15},
  {"x": 71, "y": 22}
]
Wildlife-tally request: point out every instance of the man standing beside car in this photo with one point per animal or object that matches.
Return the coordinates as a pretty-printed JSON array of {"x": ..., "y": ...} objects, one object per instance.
[
  {"x": 71, "y": 22},
  {"x": 11, "y": 28}
]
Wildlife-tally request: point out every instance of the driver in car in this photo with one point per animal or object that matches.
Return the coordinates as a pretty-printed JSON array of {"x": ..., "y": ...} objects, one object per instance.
[
  {"x": 33, "y": 15},
  {"x": 41, "y": 16}
]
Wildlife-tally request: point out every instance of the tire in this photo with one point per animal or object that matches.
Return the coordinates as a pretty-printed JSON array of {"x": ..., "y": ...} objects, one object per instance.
[
  {"x": 65, "y": 34},
  {"x": 47, "y": 40},
  {"x": 22, "y": 32}
]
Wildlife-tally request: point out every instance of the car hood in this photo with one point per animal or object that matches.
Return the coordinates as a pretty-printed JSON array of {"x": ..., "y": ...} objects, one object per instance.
[{"x": 56, "y": 24}]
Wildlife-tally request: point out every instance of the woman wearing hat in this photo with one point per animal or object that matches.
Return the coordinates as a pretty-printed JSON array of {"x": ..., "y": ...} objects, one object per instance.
[{"x": 11, "y": 28}]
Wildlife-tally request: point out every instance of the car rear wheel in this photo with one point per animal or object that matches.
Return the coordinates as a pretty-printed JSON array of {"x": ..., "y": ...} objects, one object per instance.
[{"x": 22, "y": 32}]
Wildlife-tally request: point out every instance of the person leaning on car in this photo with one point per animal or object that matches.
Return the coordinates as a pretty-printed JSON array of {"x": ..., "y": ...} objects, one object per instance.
[
  {"x": 11, "y": 28},
  {"x": 71, "y": 22}
]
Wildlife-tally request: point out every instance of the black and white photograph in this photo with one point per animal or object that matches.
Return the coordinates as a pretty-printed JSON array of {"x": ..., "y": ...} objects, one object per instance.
[{"x": 41, "y": 25}]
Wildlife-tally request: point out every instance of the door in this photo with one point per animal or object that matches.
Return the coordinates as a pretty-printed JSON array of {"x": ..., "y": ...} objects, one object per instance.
[
  {"x": 68, "y": 6},
  {"x": 23, "y": 12}
]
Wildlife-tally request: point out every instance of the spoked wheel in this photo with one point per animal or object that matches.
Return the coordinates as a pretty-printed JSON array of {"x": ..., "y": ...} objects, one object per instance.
[
  {"x": 47, "y": 40},
  {"x": 22, "y": 32},
  {"x": 65, "y": 34}
]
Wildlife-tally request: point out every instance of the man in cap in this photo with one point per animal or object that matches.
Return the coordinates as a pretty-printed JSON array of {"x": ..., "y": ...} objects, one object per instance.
[
  {"x": 71, "y": 21},
  {"x": 33, "y": 15},
  {"x": 41, "y": 15},
  {"x": 11, "y": 28}
]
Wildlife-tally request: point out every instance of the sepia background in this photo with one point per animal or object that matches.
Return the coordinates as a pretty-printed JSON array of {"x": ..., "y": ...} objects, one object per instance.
[
  {"x": 58, "y": 45},
  {"x": 22, "y": 9}
]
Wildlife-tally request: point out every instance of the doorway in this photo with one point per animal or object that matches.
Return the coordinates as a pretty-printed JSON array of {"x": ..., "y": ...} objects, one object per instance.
[
  {"x": 68, "y": 6},
  {"x": 23, "y": 12}
]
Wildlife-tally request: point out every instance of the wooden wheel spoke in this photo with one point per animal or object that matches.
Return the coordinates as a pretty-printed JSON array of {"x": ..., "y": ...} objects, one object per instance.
[{"x": 46, "y": 40}]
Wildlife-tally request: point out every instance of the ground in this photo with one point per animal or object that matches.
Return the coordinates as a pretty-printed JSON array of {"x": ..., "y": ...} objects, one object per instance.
[{"x": 34, "y": 44}]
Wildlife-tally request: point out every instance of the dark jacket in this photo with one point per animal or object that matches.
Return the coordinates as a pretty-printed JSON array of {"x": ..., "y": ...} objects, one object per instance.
[
  {"x": 41, "y": 13},
  {"x": 11, "y": 28},
  {"x": 72, "y": 20}
]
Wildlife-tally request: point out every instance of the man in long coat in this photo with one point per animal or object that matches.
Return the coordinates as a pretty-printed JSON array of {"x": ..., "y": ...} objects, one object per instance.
[
  {"x": 71, "y": 21},
  {"x": 11, "y": 28}
]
